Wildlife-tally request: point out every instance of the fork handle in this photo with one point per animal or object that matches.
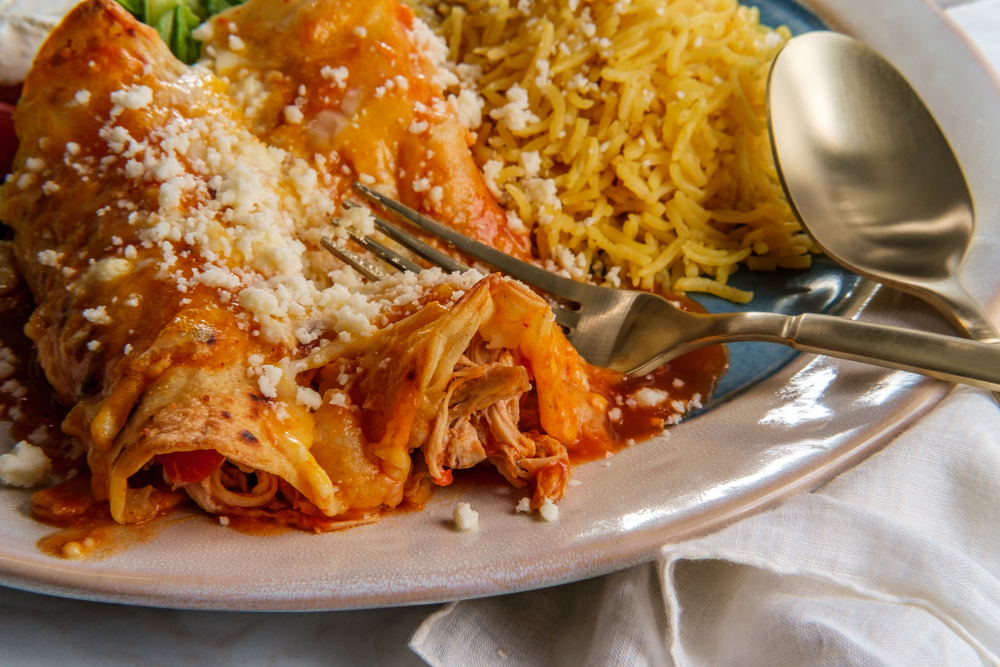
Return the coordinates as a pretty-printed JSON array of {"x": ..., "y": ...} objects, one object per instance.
[{"x": 943, "y": 357}]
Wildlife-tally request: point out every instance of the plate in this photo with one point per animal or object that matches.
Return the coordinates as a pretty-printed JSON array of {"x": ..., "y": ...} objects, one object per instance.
[{"x": 790, "y": 432}]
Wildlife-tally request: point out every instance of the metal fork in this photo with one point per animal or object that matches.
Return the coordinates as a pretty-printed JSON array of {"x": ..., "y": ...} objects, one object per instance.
[{"x": 634, "y": 332}]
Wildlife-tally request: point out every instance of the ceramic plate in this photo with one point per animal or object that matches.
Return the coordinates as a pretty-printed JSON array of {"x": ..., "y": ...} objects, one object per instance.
[{"x": 791, "y": 431}]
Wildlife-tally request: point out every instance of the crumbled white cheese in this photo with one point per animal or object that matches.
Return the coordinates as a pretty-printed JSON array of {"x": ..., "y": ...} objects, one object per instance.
[
  {"x": 308, "y": 397},
  {"x": 338, "y": 74},
  {"x": 491, "y": 170},
  {"x": 515, "y": 224},
  {"x": 531, "y": 162},
  {"x": 468, "y": 106},
  {"x": 524, "y": 505},
  {"x": 134, "y": 97},
  {"x": 97, "y": 315},
  {"x": 465, "y": 517},
  {"x": 359, "y": 220},
  {"x": 25, "y": 181},
  {"x": 516, "y": 114},
  {"x": 542, "y": 191},
  {"x": 648, "y": 397},
  {"x": 613, "y": 277},
  {"x": 204, "y": 33},
  {"x": 14, "y": 388},
  {"x": 82, "y": 97},
  {"x": 549, "y": 510},
  {"x": 293, "y": 114},
  {"x": 25, "y": 466},
  {"x": 268, "y": 382},
  {"x": 109, "y": 268},
  {"x": 50, "y": 258},
  {"x": 236, "y": 44},
  {"x": 39, "y": 434}
]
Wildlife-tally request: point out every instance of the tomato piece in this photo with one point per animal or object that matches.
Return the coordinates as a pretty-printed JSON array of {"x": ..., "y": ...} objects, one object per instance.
[
  {"x": 8, "y": 140},
  {"x": 190, "y": 467}
]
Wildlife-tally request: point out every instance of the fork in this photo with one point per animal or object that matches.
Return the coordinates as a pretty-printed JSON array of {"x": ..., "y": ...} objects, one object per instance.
[{"x": 634, "y": 332}]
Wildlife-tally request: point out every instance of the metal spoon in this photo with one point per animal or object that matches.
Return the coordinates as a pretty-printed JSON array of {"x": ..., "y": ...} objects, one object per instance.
[{"x": 869, "y": 173}]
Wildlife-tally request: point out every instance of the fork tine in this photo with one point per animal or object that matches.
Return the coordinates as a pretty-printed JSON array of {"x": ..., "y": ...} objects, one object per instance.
[
  {"x": 566, "y": 318},
  {"x": 388, "y": 255},
  {"x": 432, "y": 255},
  {"x": 364, "y": 267},
  {"x": 533, "y": 275}
]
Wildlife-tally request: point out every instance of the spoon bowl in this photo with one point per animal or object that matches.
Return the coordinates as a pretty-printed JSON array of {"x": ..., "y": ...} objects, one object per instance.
[{"x": 869, "y": 173}]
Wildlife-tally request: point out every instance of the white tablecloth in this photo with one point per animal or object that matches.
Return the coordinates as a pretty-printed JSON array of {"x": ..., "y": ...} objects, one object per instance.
[{"x": 895, "y": 562}]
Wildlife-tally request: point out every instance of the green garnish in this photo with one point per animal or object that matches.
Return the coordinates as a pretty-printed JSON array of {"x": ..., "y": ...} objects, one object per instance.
[{"x": 175, "y": 20}]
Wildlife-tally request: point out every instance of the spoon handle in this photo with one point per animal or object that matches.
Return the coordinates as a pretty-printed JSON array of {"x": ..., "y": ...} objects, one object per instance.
[{"x": 943, "y": 357}]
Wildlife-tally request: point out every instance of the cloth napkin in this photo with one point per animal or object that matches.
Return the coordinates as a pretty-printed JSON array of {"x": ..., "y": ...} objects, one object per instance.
[{"x": 896, "y": 562}]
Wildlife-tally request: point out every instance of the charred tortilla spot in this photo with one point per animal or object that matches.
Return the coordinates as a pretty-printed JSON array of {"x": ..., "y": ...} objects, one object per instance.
[
  {"x": 205, "y": 335},
  {"x": 411, "y": 375},
  {"x": 248, "y": 437},
  {"x": 256, "y": 406},
  {"x": 225, "y": 413}
]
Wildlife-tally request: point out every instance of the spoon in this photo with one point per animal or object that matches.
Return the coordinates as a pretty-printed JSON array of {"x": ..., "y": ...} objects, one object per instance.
[{"x": 869, "y": 174}]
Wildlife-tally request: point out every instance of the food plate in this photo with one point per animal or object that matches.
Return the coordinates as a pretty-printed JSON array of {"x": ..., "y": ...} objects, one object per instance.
[{"x": 788, "y": 433}]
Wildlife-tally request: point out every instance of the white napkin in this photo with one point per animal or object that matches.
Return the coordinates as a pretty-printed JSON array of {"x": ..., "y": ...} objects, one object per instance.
[{"x": 896, "y": 562}]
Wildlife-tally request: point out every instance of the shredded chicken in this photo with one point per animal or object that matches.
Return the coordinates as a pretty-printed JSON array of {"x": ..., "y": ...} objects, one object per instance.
[
  {"x": 229, "y": 487},
  {"x": 478, "y": 420}
]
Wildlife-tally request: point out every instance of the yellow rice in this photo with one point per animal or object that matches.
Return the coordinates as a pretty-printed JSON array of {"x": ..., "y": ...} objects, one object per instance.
[{"x": 649, "y": 126}]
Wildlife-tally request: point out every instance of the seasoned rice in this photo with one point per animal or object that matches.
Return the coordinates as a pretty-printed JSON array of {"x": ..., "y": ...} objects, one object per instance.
[{"x": 629, "y": 136}]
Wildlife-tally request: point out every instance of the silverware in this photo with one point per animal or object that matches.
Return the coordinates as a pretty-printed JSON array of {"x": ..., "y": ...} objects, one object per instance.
[
  {"x": 634, "y": 332},
  {"x": 869, "y": 173}
]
